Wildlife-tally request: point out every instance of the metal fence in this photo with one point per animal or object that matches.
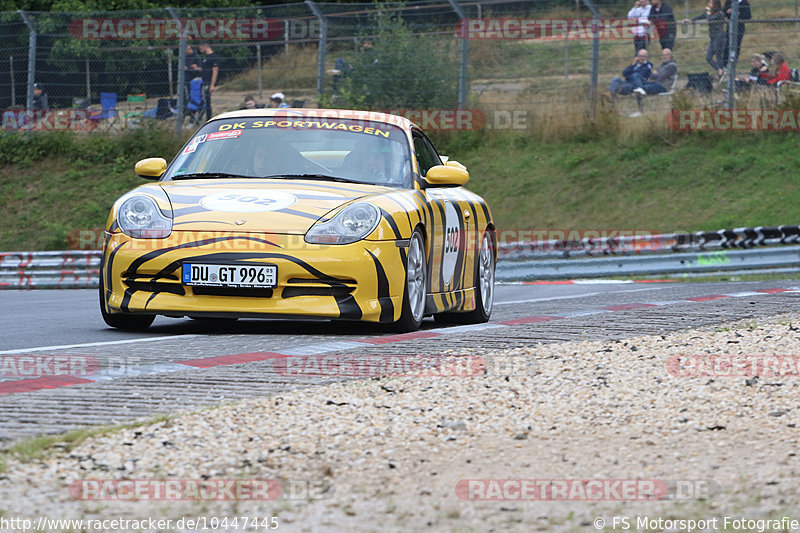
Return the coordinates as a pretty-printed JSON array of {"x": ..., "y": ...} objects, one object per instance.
[{"x": 517, "y": 64}]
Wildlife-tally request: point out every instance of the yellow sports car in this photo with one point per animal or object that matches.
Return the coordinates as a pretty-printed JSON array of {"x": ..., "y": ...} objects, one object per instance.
[{"x": 305, "y": 213}]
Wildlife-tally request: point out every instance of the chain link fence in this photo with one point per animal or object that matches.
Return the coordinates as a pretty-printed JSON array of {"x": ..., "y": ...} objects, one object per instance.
[{"x": 503, "y": 64}]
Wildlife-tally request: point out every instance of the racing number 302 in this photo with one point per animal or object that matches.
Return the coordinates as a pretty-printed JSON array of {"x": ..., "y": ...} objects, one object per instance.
[{"x": 248, "y": 199}]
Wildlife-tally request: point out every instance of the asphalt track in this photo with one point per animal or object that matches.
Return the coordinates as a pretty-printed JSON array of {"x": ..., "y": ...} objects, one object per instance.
[{"x": 185, "y": 364}]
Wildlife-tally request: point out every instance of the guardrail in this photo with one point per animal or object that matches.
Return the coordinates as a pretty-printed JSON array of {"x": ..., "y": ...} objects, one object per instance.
[
  {"x": 687, "y": 262},
  {"x": 738, "y": 238},
  {"x": 73, "y": 269},
  {"x": 702, "y": 252},
  {"x": 740, "y": 249}
]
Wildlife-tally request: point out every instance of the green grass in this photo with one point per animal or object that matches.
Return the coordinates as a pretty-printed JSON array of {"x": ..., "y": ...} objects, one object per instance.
[
  {"x": 36, "y": 448},
  {"x": 590, "y": 181},
  {"x": 696, "y": 182},
  {"x": 56, "y": 183}
]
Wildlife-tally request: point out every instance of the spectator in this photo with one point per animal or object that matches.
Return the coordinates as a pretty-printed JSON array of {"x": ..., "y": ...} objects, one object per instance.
[
  {"x": 758, "y": 74},
  {"x": 341, "y": 69},
  {"x": 276, "y": 100},
  {"x": 210, "y": 72},
  {"x": 662, "y": 79},
  {"x": 640, "y": 13},
  {"x": 635, "y": 75},
  {"x": 744, "y": 14},
  {"x": 715, "y": 56},
  {"x": 192, "y": 66},
  {"x": 780, "y": 70},
  {"x": 39, "y": 97},
  {"x": 663, "y": 20},
  {"x": 250, "y": 102}
]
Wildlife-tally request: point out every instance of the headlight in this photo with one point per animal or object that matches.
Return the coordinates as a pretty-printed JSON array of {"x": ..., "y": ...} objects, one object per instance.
[
  {"x": 139, "y": 216},
  {"x": 351, "y": 224}
]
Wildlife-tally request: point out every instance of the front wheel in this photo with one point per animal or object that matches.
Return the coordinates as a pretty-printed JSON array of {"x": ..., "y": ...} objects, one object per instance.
[
  {"x": 484, "y": 288},
  {"x": 125, "y": 321},
  {"x": 414, "y": 295}
]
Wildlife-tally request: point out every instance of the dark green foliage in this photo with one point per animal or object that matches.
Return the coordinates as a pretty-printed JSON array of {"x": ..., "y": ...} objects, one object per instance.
[{"x": 401, "y": 70}]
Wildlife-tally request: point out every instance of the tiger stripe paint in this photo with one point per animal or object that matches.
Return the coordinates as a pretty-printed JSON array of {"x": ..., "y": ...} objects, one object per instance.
[{"x": 364, "y": 280}]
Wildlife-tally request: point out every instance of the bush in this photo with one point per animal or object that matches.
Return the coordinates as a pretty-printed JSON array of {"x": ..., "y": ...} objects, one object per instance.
[{"x": 397, "y": 69}]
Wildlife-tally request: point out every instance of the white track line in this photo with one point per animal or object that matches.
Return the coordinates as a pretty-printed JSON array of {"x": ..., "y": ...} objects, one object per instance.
[
  {"x": 104, "y": 343},
  {"x": 574, "y": 296}
]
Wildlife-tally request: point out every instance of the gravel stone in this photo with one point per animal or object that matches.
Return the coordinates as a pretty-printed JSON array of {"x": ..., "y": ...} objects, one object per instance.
[{"x": 386, "y": 454}]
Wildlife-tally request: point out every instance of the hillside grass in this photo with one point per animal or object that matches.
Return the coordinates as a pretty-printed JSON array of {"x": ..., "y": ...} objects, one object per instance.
[
  {"x": 566, "y": 171},
  {"x": 54, "y": 183}
]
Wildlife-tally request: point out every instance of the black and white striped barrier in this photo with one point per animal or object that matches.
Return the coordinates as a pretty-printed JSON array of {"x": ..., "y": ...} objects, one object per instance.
[
  {"x": 738, "y": 238},
  {"x": 73, "y": 269}
]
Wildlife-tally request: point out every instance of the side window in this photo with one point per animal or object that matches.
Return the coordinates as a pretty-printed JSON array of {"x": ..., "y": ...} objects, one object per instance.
[{"x": 426, "y": 154}]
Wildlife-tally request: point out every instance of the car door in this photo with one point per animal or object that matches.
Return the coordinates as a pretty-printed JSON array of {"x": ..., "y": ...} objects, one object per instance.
[{"x": 449, "y": 223}]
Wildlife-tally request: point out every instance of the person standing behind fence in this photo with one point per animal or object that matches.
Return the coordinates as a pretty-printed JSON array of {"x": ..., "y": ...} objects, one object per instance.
[
  {"x": 744, "y": 14},
  {"x": 663, "y": 19},
  {"x": 39, "y": 97},
  {"x": 715, "y": 56},
  {"x": 210, "y": 72},
  {"x": 640, "y": 12},
  {"x": 193, "y": 62}
]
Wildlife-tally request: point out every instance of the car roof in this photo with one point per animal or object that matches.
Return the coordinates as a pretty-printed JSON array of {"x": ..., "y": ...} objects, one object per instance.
[{"x": 299, "y": 113}]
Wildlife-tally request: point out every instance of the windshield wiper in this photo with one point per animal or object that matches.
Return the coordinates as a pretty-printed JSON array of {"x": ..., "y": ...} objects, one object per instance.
[
  {"x": 208, "y": 175},
  {"x": 315, "y": 177}
]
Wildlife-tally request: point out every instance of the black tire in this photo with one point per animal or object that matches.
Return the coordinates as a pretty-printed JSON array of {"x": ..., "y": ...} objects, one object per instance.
[
  {"x": 484, "y": 293},
  {"x": 124, "y": 321},
  {"x": 413, "y": 311}
]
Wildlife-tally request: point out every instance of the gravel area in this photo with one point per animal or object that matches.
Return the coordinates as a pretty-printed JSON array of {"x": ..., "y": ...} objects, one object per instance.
[{"x": 387, "y": 454}]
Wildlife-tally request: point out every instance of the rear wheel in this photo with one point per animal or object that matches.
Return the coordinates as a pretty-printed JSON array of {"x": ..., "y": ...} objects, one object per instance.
[
  {"x": 484, "y": 288},
  {"x": 413, "y": 307},
  {"x": 126, "y": 321}
]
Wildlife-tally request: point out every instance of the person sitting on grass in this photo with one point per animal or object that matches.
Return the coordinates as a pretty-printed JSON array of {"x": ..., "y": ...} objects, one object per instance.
[
  {"x": 780, "y": 71},
  {"x": 662, "y": 79},
  {"x": 635, "y": 75},
  {"x": 758, "y": 74}
]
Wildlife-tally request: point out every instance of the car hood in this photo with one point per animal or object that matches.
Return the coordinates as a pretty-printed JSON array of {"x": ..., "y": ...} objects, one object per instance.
[{"x": 253, "y": 205}]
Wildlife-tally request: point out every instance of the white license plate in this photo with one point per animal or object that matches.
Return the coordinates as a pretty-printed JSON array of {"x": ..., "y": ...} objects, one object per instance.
[{"x": 230, "y": 275}]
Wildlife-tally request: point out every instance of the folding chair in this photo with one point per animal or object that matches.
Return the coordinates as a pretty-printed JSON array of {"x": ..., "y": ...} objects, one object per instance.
[
  {"x": 108, "y": 102},
  {"x": 195, "y": 103},
  {"x": 136, "y": 108}
]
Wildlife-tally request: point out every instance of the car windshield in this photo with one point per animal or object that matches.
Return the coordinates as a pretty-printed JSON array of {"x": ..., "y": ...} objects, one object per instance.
[{"x": 302, "y": 148}]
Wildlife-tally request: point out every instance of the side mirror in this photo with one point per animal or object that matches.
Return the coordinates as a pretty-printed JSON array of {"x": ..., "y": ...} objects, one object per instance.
[
  {"x": 447, "y": 175},
  {"x": 455, "y": 164},
  {"x": 151, "y": 168}
]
